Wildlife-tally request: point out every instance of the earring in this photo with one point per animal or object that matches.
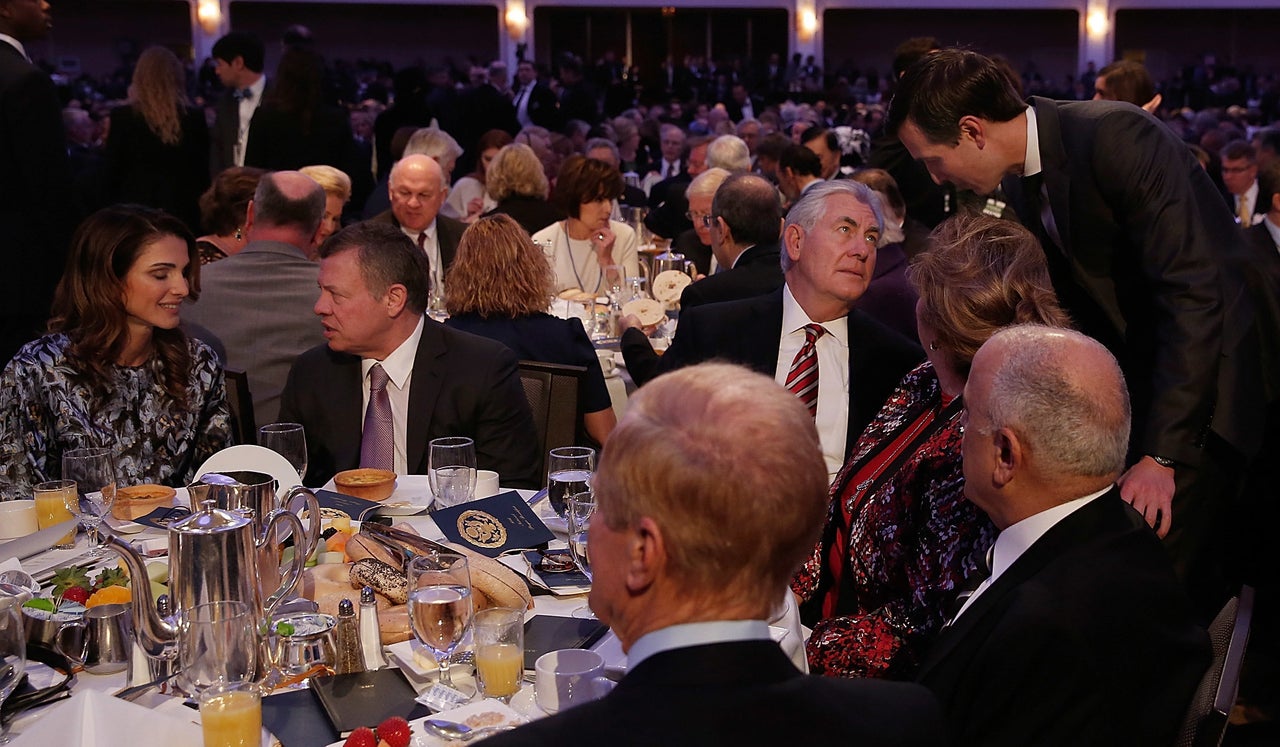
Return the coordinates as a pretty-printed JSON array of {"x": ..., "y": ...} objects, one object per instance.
[{"x": 239, "y": 236}]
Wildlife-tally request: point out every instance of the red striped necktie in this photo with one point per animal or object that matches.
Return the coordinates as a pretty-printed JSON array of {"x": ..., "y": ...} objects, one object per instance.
[{"x": 802, "y": 379}]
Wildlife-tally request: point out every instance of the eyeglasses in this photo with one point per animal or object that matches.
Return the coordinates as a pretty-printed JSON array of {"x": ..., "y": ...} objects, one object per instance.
[{"x": 704, "y": 218}]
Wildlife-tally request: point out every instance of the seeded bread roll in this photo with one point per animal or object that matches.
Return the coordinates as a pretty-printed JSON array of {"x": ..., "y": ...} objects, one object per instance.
[
  {"x": 492, "y": 583},
  {"x": 387, "y": 580}
]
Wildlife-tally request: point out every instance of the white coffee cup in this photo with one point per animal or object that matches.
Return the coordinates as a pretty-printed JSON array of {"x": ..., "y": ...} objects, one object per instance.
[
  {"x": 569, "y": 677},
  {"x": 486, "y": 483},
  {"x": 17, "y": 518},
  {"x": 607, "y": 363}
]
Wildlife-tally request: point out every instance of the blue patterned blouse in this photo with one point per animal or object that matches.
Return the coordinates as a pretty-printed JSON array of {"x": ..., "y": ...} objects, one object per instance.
[{"x": 44, "y": 412}]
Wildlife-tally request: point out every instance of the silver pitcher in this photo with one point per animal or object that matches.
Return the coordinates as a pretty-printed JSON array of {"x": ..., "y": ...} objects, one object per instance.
[
  {"x": 101, "y": 640},
  {"x": 255, "y": 495}
]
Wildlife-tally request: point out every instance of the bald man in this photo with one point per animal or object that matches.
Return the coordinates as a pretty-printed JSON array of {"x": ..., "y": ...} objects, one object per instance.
[
  {"x": 1081, "y": 634},
  {"x": 418, "y": 189}
]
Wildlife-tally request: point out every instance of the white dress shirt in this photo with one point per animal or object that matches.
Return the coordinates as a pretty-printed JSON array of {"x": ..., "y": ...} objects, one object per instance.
[
  {"x": 247, "y": 106},
  {"x": 1018, "y": 538},
  {"x": 430, "y": 247},
  {"x": 695, "y": 634},
  {"x": 833, "y": 376},
  {"x": 399, "y": 368},
  {"x": 15, "y": 44},
  {"x": 1251, "y": 201},
  {"x": 522, "y": 105}
]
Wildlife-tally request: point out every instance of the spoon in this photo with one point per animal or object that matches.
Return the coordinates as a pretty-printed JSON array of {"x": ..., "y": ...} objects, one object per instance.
[{"x": 454, "y": 731}]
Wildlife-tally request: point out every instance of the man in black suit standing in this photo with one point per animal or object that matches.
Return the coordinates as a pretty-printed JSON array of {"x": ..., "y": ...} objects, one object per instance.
[
  {"x": 687, "y": 573},
  {"x": 829, "y": 244},
  {"x": 1130, "y": 226},
  {"x": 37, "y": 200},
  {"x": 1081, "y": 634},
  {"x": 535, "y": 103},
  {"x": 238, "y": 59},
  {"x": 390, "y": 380}
]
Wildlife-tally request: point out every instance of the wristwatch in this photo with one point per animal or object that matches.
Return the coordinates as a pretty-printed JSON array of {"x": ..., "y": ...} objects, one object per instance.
[{"x": 1162, "y": 461}]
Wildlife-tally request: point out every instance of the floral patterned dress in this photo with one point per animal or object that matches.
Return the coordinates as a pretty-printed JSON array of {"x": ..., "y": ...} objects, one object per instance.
[
  {"x": 45, "y": 411},
  {"x": 908, "y": 542}
]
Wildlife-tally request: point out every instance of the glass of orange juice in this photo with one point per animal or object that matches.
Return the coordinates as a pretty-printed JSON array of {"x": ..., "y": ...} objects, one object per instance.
[
  {"x": 231, "y": 715},
  {"x": 51, "y": 508},
  {"x": 499, "y": 650}
]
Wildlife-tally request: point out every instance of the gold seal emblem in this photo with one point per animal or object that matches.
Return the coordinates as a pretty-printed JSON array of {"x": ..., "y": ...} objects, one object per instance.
[{"x": 481, "y": 529}]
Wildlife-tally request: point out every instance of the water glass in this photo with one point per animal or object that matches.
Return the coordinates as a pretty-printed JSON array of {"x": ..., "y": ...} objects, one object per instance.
[
  {"x": 93, "y": 471},
  {"x": 217, "y": 644},
  {"x": 451, "y": 468},
  {"x": 13, "y": 652},
  {"x": 569, "y": 468},
  {"x": 440, "y": 607},
  {"x": 289, "y": 441},
  {"x": 582, "y": 506},
  {"x": 499, "y": 649},
  {"x": 52, "y": 501}
]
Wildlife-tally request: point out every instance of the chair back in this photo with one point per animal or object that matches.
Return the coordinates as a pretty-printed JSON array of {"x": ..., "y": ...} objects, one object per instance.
[
  {"x": 1205, "y": 722},
  {"x": 240, "y": 402},
  {"x": 552, "y": 391}
]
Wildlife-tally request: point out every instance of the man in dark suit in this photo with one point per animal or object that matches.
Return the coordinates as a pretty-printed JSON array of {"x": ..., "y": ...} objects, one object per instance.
[
  {"x": 667, "y": 204},
  {"x": 745, "y": 224},
  {"x": 407, "y": 378},
  {"x": 828, "y": 255},
  {"x": 687, "y": 573},
  {"x": 534, "y": 102},
  {"x": 1081, "y": 635},
  {"x": 482, "y": 107},
  {"x": 238, "y": 59},
  {"x": 37, "y": 201},
  {"x": 418, "y": 187},
  {"x": 1130, "y": 225}
]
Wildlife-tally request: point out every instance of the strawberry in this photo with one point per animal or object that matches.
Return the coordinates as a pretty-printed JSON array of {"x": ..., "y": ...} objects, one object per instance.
[
  {"x": 65, "y": 578},
  {"x": 395, "y": 731},
  {"x": 362, "y": 737},
  {"x": 77, "y": 594}
]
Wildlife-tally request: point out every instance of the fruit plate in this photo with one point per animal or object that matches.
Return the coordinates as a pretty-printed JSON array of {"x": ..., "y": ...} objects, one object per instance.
[{"x": 475, "y": 714}]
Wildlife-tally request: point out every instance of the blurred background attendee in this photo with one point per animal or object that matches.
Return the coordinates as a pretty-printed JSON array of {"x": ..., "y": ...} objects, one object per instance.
[
  {"x": 695, "y": 244},
  {"x": 427, "y": 141},
  {"x": 1126, "y": 80},
  {"x": 499, "y": 287},
  {"x": 890, "y": 297},
  {"x": 223, "y": 209},
  {"x": 337, "y": 190},
  {"x": 518, "y": 186},
  {"x": 799, "y": 168},
  {"x": 900, "y": 535},
  {"x": 115, "y": 370},
  {"x": 157, "y": 150},
  {"x": 587, "y": 241},
  {"x": 468, "y": 197},
  {"x": 604, "y": 149},
  {"x": 295, "y": 126}
]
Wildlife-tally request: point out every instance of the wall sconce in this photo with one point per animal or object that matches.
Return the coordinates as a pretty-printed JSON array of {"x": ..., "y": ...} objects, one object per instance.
[
  {"x": 209, "y": 14},
  {"x": 517, "y": 21},
  {"x": 1097, "y": 24},
  {"x": 808, "y": 24}
]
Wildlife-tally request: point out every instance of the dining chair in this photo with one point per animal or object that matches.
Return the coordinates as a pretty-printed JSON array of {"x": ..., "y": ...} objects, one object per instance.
[
  {"x": 552, "y": 391},
  {"x": 1205, "y": 722},
  {"x": 240, "y": 402}
]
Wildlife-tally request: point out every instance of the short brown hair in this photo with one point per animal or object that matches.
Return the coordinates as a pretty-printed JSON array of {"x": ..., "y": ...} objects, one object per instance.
[
  {"x": 584, "y": 180},
  {"x": 981, "y": 274},
  {"x": 225, "y": 204},
  {"x": 498, "y": 272},
  {"x": 516, "y": 170},
  {"x": 386, "y": 257},
  {"x": 728, "y": 465}
]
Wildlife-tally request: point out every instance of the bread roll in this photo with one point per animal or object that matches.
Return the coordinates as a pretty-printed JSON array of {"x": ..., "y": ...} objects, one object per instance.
[
  {"x": 387, "y": 580},
  {"x": 393, "y": 623},
  {"x": 363, "y": 545}
]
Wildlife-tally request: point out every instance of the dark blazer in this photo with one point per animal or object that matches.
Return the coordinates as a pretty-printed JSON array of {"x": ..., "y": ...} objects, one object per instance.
[
  {"x": 688, "y": 244},
  {"x": 222, "y": 138},
  {"x": 739, "y": 693},
  {"x": 138, "y": 167},
  {"x": 462, "y": 385},
  {"x": 756, "y": 272},
  {"x": 1147, "y": 286},
  {"x": 1087, "y": 639},
  {"x": 747, "y": 332},
  {"x": 278, "y": 141},
  {"x": 532, "y": 213},
  {"x": 668, "y": 205},
  {"x": 37, "y": 205},
  {"x": 889, "y": 297},
  {"x": 448, "y": 233},
  {"x": 544, "y": 108}
]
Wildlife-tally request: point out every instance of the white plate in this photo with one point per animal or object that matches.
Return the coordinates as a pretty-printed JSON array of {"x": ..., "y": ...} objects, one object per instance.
[
  {"x": 122, "y": 526},
  {"x": 419, "y": 666},
  {"x": 250, "y": 458},
  {"x": 525, "y": 703},
  {"x": 497, "y": 711}
]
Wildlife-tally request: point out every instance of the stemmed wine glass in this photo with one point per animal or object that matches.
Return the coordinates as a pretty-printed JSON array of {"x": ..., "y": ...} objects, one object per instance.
[
  {"x": 289, "y": 441},
  {"x": 582, "y": 506},
  {"x": 451, "y": 468},
  {"x": 13, "y": 652},
  {"x": 440, "y": 604},
  {"x": 93, "y": 471},
  {"x": 568, "y": 470}
]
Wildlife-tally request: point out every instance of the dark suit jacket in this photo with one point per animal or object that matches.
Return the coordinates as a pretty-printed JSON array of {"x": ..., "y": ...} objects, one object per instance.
[
  {"x": 448, "y": 233},
  {"x": 462, "y": 385},
  {"x": 226, "y": 127},
  {"x": 668, "y": 205},
  {"x": 278, "y": 141},
  {"x": 889, "y": 297},
  {"x": 532, "y": 213},
  {"x": 739, "y": 693},
  {"x": 1143, "y": 283},
  {"x": 688, "y": 244},
  {"x": 544, "y": 108},
  {"x": 1086, "y": 639},
  {"x": 139, "y": 167},
  {"x": 747, "y": 332},
  {"x": 756, "y": 272}
]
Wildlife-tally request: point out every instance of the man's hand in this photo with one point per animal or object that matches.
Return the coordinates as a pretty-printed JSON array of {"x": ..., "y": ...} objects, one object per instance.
[
  {"x": 1148, "y": 487},
  {"x": 629, "y": 321}
]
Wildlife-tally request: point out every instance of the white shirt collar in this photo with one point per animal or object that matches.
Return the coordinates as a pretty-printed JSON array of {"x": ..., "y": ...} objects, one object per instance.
[
  {"x": 794, "y": 319},
  {"x": 258, "y": 86},
  {"x": 1031, "y": 161},
  {"x": 695, "y": 634},
  {"x": 398, "y": 365},
  {"x": 1016, "y": 539},
  {"x": 430, "y": 230},
  {"x": 16, "y": 45}
]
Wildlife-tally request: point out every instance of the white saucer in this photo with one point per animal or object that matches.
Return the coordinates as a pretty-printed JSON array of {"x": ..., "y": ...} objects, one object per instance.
[
  {"x": 250, "y": 458},
  {"x": 525, "y": 703}
]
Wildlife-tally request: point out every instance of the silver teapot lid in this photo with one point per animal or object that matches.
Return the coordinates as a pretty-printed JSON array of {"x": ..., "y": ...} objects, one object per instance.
[{"x": 210, "y": 520}]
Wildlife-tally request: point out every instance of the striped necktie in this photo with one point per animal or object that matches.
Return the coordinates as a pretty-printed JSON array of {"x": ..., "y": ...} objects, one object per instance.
[
  {"x": 377, "y": 445},
  {"x": 802, "y": 379}
]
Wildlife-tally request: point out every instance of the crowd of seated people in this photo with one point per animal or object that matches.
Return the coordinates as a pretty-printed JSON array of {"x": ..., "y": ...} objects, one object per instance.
[{"x": 485, "y": 216}]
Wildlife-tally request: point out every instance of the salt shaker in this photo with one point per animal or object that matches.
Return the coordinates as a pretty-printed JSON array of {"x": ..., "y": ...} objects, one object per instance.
[{"x": 370, "y": 632}]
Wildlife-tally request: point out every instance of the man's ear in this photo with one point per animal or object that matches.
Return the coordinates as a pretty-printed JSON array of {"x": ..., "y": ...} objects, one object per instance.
[
  {"x": 973, "y": 128},
  {"x": 248, "y": 218},
  {"x": 1009, "y": 456},
  {"x": 792, "y": 238},
  {"x": 395, "y": 299},
  {"x": 646, "y": 555}
]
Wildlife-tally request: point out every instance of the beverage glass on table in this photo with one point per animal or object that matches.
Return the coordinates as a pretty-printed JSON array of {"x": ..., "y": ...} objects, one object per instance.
[
  {"x": 568, "y": 470},
  {"x": 52, "y": 499},
  {"x": 17, "y": 519},
  {"x": 13, "y": 653},
  {"x": 289, "y": 441},
  {"x": 231, "y": 715},
  {"x": 451, "y": 468},
  {"x": 93, "y": 471},
  {"x": 499, "y": 649},
  {"x": 217, "y": 644},
  {"x": 440, "y": 604},
  {"x": 582, "y": 506}
]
